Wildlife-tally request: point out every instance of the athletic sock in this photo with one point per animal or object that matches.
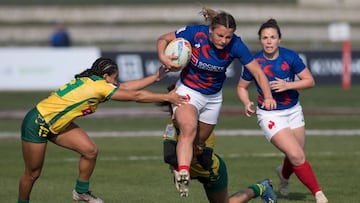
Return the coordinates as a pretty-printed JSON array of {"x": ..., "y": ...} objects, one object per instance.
[
  {"x": 23, "y": 201},
  {"x": 184, "y": 167},
  {"x": 82, "y": 186},
  {"x": 287, "y": 168},
  {"x": 258, "y": 189},
  {"x": 306, "y": 175}
]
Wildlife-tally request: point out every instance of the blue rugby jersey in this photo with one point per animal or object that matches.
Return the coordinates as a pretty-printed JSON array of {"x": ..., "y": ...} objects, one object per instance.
[
  {"x": 285, "y": 67},
  {"x": 206, "y": 71}
]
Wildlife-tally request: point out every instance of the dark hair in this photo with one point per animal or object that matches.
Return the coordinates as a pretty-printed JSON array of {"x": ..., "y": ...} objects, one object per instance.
[
  {"x": 271, "y": 23},
  {"x": 218, "y": 18},
  {"x": 100, "y": 67}
]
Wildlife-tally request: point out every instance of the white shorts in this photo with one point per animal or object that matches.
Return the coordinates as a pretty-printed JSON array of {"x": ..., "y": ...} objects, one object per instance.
[
  {"x": 208, "y": 106},
  {"x": 272, "y": 122}
]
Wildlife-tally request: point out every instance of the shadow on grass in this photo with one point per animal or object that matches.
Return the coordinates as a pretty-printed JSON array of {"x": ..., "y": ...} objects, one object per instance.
[{"x": 293, "y": 196}]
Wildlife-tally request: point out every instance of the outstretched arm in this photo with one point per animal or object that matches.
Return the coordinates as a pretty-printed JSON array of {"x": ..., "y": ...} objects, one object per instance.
[
  {"x": 144, "y": 96},
  {"x": 144, "y": 82}
]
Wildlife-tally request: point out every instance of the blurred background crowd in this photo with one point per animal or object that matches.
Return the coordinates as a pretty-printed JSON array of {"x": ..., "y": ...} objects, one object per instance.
[
  {"x": 31, "y": 33},
  {"x": 125, "y": 25}
]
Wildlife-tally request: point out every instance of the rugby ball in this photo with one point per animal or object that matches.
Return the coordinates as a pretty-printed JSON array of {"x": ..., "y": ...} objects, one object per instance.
[{"x": 181, "y": 48}]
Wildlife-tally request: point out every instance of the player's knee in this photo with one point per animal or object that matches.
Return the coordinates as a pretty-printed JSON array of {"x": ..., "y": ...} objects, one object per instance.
[
  {"x": 33, "y": 175},
  {"x": 34, "y": 178},
  {"x": 188, "y": 130},
  {"x": 297, "y": 159},
  {"x": 187, "y": 135},
  {"x": 91, "y": 152}
]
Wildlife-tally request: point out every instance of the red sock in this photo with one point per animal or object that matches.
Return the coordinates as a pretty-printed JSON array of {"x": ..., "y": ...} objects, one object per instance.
[
  {"x": 287, "y": 168},
  {"x": 306, "y": 175},
  {"x": 184, "y": 167}
]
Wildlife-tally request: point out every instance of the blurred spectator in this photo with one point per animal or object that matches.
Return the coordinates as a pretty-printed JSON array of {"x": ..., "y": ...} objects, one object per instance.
[{"x": 60, "y": 37}]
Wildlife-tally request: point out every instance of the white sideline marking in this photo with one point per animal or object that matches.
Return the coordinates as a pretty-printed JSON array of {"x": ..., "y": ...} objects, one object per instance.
[
  {"x": 239, "y": 132},
  {"x": 225, "y": 156},
  {"x": 116, "y": 158},
  {"x": 235, "y": 132}
]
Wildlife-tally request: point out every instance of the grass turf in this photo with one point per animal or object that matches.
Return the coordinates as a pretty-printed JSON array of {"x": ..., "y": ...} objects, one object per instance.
[{"x": 131, "y": 170}]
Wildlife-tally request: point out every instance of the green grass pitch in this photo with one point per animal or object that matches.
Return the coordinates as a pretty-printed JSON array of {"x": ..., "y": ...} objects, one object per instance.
[{"x": 131, "y": 169}]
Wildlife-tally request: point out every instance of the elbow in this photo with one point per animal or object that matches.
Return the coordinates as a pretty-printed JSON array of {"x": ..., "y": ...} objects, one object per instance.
[
  {"x": 306, "y": 83},
  {"x": 312, "y": 83}
]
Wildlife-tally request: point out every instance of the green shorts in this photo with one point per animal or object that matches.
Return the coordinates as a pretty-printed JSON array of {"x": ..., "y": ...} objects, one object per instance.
[
  {"x": 218, "y": 184},
  {"x": 34, "y": 128}
]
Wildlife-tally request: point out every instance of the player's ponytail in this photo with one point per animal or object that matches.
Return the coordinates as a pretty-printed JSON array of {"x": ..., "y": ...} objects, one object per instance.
[
  {"x": 218, "y": 18},
  {"x": 100, "y": 67}
]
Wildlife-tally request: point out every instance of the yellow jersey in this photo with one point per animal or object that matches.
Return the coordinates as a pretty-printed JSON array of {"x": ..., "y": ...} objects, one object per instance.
[{"x": 79, "y": 97}]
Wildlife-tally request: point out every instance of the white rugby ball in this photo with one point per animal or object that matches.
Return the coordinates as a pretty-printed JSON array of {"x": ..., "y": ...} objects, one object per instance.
[{"x": 181, "y": 48}]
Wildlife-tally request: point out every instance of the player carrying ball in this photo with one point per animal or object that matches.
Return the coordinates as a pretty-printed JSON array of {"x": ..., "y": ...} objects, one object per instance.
[
  {"x": 209, "y": 169},
  {"x": 214, "y": 48}
]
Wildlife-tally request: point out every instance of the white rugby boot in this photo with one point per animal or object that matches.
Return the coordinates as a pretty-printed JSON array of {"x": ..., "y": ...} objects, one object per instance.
[
  {"x": 182, "y": 179},
  {"x": 284, "y": 183},
  {"x": 320, "y": 197},
  {"x": 86, "y": 197}
]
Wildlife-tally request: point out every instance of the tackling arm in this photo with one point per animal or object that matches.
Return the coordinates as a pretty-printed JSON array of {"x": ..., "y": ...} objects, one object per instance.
[{"x": 144, "y": 82}]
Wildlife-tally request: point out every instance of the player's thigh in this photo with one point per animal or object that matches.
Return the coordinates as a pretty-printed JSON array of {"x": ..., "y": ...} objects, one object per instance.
[
  {"x": 33, "y": 155},
  {"x": 299, "y": 133},
  {"x": 286, "y": 141},
  {"x": 204, "y": 131},
  {"x": 297, "y": 124},
  {"x": 186, "y": 114},
  {"x": 76, "y": 139}
]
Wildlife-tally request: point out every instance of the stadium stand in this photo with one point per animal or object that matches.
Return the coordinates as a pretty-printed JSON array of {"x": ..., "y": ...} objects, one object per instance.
[{"x": 130, "y": 27}]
